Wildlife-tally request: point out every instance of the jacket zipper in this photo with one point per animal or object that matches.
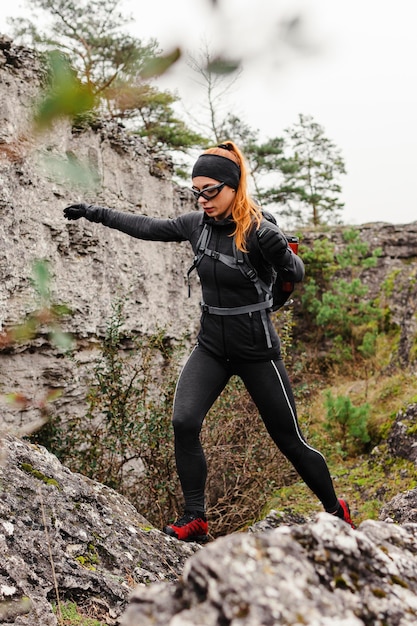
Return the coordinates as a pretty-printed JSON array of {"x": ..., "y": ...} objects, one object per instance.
[{"x": 216, "y": 247}]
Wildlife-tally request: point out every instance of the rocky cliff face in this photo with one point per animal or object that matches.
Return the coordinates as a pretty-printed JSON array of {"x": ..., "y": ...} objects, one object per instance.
[{"x": 91, "y": 265}]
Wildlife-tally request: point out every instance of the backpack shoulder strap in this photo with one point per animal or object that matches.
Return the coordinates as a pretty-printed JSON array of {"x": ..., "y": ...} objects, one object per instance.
[
  {"x": 247, "y": 269},
  {"x": 201, "y": 246}
]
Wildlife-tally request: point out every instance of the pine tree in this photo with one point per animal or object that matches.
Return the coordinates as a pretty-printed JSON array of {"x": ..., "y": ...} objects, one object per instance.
[
  {"x": 310, "y": 173},
  {"x": 113, "y": 66}
]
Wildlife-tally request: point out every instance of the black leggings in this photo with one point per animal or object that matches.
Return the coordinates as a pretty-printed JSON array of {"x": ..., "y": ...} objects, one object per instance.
[{"x": 202, "y": 380}]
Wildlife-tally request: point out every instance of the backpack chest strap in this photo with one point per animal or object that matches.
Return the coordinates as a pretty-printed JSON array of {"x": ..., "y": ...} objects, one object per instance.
[{"x": 237, "y": 310}]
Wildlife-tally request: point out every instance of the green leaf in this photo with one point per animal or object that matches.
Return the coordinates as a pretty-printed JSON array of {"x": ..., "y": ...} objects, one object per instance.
[
  {"x": 223, "y": 66},
  {"x": 66, "y": 96},
  {"x": 41, "y": 278},
  {"x": 70, "y": 171},
  {"x": 159, "y": 65},
  {"x": 63, "y": 341}
]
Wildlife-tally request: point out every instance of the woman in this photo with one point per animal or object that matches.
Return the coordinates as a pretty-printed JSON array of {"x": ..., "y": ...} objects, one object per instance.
[{"x": 236, "y": 336}]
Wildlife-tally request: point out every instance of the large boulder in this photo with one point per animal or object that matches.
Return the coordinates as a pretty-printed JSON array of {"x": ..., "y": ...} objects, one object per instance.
[
  {"x": 319, "y": 573},
  {"x": 65, "y": 536}
]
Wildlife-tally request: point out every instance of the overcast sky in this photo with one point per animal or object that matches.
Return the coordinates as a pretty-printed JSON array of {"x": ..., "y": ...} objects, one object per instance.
[{"x": 354, "y": 71}]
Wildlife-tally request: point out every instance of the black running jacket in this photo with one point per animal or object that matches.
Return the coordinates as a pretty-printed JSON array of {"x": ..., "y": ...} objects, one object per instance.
[{"x": 231, "y": 337}]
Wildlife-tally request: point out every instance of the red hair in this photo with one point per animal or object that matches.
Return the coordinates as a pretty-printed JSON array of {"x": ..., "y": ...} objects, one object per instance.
[{"x": 244, "y": 210}]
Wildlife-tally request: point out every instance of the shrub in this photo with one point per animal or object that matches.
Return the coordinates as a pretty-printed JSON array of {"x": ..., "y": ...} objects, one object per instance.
[
  {"x": 337, "y": 308},
  {"x": 347, "y": 423}
]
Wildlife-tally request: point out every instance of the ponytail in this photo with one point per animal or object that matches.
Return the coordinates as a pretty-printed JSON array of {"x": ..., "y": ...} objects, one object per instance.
[{"x": 245, "y": 212}]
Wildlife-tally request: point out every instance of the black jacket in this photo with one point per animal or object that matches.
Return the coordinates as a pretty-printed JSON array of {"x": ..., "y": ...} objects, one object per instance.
[{"x": 234, "y": 337}]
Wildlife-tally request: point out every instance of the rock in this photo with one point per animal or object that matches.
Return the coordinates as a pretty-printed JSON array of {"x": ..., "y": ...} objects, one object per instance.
[
  {"x": 274, "y": 519},
  {"x": 60, "y": 530},
  {"x": 63, "y": 533},
  {"x": 402, "y": 439},
  {"x": 401, "y": 509},
  {"x": 320, "y": 573}
]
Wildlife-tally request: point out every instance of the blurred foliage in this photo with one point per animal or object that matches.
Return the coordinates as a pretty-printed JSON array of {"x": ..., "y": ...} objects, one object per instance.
[
  {"x": 217, "y": 78},
  {"x": 47, "y": 314},
  {"x": 66, "y": 96},
  {"x": 70, "y": 170}
]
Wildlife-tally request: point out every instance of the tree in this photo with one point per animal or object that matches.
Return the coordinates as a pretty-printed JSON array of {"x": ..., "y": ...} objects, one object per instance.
[
  {"x": 310, "y": 171},
  {"x": 91, "y": 36},
  {"x": 262, "y": 158},
  {"x": 217, "y": 77},
  {"x": 338, "y": 312},
  {"x": 116, "y": 67}
]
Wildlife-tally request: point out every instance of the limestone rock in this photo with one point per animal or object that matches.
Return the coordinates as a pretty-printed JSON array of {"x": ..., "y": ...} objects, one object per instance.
[
  {"x": 401, "y": 509},
  {"x": 319, "y": 573},
  {"x": 61, "y": 530},
  {"x": 274, "y": 519},
  {"x": 91, "y": 265},
  {"x": 402, "y": 440}
]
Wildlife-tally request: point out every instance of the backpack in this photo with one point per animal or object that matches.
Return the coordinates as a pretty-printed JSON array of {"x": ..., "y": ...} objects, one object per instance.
[{"x": 270, "y": 297}]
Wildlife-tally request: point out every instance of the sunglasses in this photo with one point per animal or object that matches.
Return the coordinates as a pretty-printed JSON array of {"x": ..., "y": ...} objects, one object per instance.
[{"x": 209, "y": 192}]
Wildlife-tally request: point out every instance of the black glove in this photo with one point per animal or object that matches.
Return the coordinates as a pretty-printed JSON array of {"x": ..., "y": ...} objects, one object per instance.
[
  {"x": 75, "y": 211},
  {"x": 272, "y": 242}
]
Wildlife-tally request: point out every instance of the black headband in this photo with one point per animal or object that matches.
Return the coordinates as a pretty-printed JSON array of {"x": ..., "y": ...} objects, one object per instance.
[{"x": 219, "y": 168}]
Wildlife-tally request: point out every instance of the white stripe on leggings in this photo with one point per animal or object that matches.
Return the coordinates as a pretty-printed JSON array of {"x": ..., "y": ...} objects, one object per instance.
[{"x": 292, "y": 412}]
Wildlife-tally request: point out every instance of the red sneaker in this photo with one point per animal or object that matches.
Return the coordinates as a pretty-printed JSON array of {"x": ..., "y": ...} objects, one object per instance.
[
  {"x": 190, "y": 527},
  {"x": 346, "y": 513}
]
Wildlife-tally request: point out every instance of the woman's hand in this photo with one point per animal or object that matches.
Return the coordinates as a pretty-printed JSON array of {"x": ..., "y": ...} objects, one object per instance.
[
  {"x": 75, "y": 211},
  {"x": 272, "y": 242}
]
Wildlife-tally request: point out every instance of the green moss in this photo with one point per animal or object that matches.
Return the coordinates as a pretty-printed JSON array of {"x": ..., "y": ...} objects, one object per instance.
[
  {"x": 85, "y": 561},
  {"x": 379, "y": 593},
  {"x": 412, "y": 429},
  {"x": 90, "y": 559},
  {"x": 29, "y": 469},
  {"x": 399, "y": 581},
  {"x": 340, "y": 583},
  {"x": 73, "y": 616}
]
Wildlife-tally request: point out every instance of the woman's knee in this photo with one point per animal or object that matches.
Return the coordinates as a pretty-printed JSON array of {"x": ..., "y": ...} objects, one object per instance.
[{"x": 186, "y": 425}]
